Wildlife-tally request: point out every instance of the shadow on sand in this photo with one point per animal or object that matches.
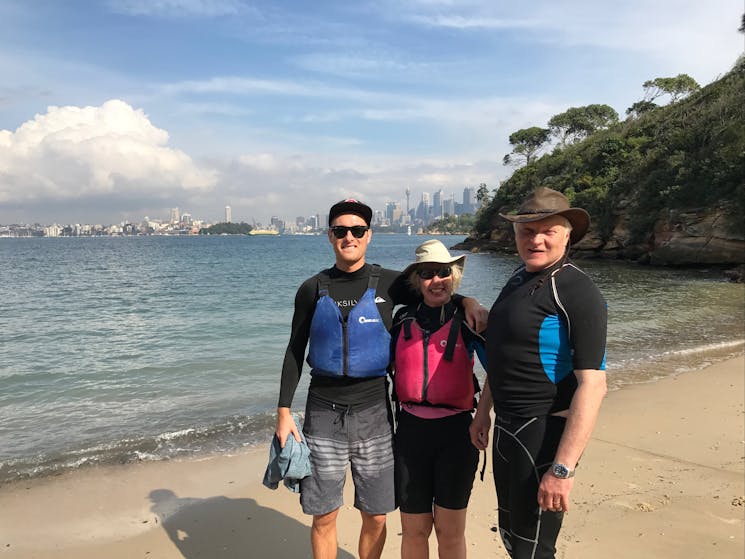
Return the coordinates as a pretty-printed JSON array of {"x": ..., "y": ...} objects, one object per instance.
[{"x": 223, "y": 528}]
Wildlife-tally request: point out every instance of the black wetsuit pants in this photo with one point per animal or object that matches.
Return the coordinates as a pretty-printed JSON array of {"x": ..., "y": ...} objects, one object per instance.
[{"x": 523, "y": 450}]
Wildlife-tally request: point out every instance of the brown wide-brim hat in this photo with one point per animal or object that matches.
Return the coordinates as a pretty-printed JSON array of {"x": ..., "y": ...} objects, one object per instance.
[{"x": 543, "y": 203}]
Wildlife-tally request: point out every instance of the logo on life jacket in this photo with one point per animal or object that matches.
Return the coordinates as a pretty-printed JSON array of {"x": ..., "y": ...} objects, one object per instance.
[{"x": 363, "y": 320}]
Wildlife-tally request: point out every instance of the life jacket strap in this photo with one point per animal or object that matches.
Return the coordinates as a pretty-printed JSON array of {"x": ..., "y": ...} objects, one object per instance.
[{"x": 455, "y": 325}]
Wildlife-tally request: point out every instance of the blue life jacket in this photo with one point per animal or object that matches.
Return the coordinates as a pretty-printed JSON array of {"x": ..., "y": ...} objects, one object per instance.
[{"x": 359, "y": 347}]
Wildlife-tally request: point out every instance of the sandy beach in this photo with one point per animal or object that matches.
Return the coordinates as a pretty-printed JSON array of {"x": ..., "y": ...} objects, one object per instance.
[{"x": 662, "y": 478}]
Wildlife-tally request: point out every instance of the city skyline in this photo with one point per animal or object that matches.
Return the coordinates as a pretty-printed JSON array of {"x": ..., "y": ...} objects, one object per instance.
[
  {"x": 282, "y": 107},
  {"x": 174, "y": 215}
]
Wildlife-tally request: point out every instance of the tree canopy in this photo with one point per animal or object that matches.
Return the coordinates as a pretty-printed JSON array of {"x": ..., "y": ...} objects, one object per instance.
[
  {"x": 527, "y": 143},
  {"x": 639, "y": 108},
  {"x": 241, "y": 228},
  {"x": 452, "y": 225},
  {"x": 684, "y": 155},
  {"x": 482, "y": 194},
  {"x": 678, "y": 87},
  {"x": 579, "y": 122}
]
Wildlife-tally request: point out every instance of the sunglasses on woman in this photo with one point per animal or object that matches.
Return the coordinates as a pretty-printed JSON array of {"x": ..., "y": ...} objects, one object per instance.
[
  {"x": 429, "y": 273},
  {"x": 340, "y": 231}
]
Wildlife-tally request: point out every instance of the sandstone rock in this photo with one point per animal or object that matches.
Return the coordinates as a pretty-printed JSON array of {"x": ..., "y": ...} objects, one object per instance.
[{"x": 695, "y": 238}]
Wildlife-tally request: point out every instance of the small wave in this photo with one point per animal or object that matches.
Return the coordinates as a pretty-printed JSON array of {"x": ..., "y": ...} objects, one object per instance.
[
  {"x": 227, "y": 436},
  {"x": 650, "y": 368},
  {"x": 175, "y": 435},
  {"x": 725, "y": 349},
  {"x": 706, "y": 348}
]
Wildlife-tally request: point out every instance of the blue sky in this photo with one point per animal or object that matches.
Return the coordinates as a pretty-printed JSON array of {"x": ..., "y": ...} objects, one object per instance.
[{"x": 117, "y": 109}]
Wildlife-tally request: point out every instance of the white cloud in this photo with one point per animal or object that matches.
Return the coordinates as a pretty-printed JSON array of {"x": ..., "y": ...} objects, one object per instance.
[
  {"x": 78, "y": 152},
  {"x": 699, "y": 38}
]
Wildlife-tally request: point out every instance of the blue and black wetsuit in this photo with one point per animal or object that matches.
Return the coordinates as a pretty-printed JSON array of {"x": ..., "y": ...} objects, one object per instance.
[{"x": 542, "y": 327}]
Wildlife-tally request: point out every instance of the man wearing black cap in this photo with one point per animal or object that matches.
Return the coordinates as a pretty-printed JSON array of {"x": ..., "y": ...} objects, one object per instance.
[
  {"x": 343, "y": 315},
  {"x": 545, "y": 352}
]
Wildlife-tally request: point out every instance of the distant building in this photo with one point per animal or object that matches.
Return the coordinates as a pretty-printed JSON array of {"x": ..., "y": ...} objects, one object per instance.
[
  {"x": 393, "y": 212},
  {"x": 424, "y": 210},
  {"x": 437, "y": 204},
  {"x": 53, "y": 231},
  {"x": 228, "y": 214},
  {"x": 448, "y": 206},
  {"x": 277, "y": 223},
  {"x": 469, "y": 200},
  {"x": 175, "y": 216}
]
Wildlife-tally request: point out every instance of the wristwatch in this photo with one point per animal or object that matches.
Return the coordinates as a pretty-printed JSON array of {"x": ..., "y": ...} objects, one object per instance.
[{"x": 561, "y": 471}]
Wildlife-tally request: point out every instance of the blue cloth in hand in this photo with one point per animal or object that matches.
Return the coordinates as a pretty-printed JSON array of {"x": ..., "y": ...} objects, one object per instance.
[{"x": 291, "y": 463}]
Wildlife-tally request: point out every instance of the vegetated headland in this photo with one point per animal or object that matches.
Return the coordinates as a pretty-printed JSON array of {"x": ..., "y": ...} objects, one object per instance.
[{"x": 665, "y": 186}]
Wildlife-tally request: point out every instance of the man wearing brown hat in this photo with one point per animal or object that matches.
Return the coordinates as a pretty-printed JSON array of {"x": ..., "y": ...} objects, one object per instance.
[
  {"x": 343, "y": 315},
  {"x": 545, "y": 347}
]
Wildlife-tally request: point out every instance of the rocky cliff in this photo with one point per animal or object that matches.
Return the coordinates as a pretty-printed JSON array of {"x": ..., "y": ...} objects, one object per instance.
[{"x": 692, "y": 238}]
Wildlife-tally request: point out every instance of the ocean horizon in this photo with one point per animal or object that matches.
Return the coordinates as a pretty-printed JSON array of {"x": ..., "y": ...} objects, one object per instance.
[{"x": 124, "y": 349}]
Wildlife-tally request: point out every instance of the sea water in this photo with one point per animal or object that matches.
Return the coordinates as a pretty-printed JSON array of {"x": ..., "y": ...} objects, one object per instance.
[{"x": 114, "y": 350}]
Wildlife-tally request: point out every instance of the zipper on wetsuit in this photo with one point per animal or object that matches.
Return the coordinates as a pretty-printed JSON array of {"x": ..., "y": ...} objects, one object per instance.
[
  {"x": 425, "y": 380},
  {"x": 345, "y": 348}
]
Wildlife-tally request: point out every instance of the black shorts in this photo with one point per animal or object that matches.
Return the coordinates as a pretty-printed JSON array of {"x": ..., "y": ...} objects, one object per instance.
[{"x": 435, "y": 462}]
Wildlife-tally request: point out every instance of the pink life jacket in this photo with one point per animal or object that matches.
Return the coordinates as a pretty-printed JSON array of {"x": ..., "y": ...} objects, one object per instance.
[{"x": 426, "y": 375}]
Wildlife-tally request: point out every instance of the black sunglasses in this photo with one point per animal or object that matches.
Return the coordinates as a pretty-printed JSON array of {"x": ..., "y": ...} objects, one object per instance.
[
  {"x": 358, "y": 231},
  {"x": 429, "y": 273}
]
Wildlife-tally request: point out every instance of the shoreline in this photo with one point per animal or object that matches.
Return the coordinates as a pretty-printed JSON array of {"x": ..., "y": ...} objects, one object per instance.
[
  {"x": 132, "y": 451},
  {"x": 662, "y": 477}
]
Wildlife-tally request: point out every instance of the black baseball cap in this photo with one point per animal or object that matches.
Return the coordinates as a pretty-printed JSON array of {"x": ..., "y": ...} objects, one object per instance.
[{"x": 351, "y": 206}]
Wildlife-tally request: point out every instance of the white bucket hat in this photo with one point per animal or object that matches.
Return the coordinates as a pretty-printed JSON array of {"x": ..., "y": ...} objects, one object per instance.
[{"x": 434, "y": 252}]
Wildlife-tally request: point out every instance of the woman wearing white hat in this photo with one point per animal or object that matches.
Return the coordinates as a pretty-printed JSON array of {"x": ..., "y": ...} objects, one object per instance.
[{"x": 432, "y": 353}]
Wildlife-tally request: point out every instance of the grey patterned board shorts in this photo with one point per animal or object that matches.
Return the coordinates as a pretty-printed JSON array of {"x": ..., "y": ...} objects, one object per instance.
[{"x": 341, "y": 435}]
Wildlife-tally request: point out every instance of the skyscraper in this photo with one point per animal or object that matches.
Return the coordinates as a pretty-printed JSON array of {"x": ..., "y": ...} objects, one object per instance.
[
  {"x": 448, "y": 205},
  {"x": 469, "y": 200},
  {"x": 228, "y": 215},
  {"x": 393, "y": 212},
  {"x": 437, "y": 204},
  {"x": 424, "y": 210}
]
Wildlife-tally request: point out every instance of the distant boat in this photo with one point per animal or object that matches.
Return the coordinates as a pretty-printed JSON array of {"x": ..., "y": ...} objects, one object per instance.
[
  {"x": 408, "y": 230},
  {"x": 263, "y": 232}
]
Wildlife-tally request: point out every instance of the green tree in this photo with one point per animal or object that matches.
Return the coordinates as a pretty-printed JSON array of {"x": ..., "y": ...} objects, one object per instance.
[
  {"x": 482, "y": 194},
  {"x": 678, "y": 87},
  {"x": 683, "y": 156},
  {"x": 453, "y": 225},
  {"x": 579, "y": 122},
  {"x": 639, "y": 108},
  {"x": 527, "y": 144},
  {"x": 241, "y": 228}
]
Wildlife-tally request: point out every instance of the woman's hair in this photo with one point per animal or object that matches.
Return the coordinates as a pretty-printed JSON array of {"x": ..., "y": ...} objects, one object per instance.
[{"x": 456, "y": 275}]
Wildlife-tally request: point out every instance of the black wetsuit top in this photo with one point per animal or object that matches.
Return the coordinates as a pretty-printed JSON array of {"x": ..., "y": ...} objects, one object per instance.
[{"x": 539, "y": 332}]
